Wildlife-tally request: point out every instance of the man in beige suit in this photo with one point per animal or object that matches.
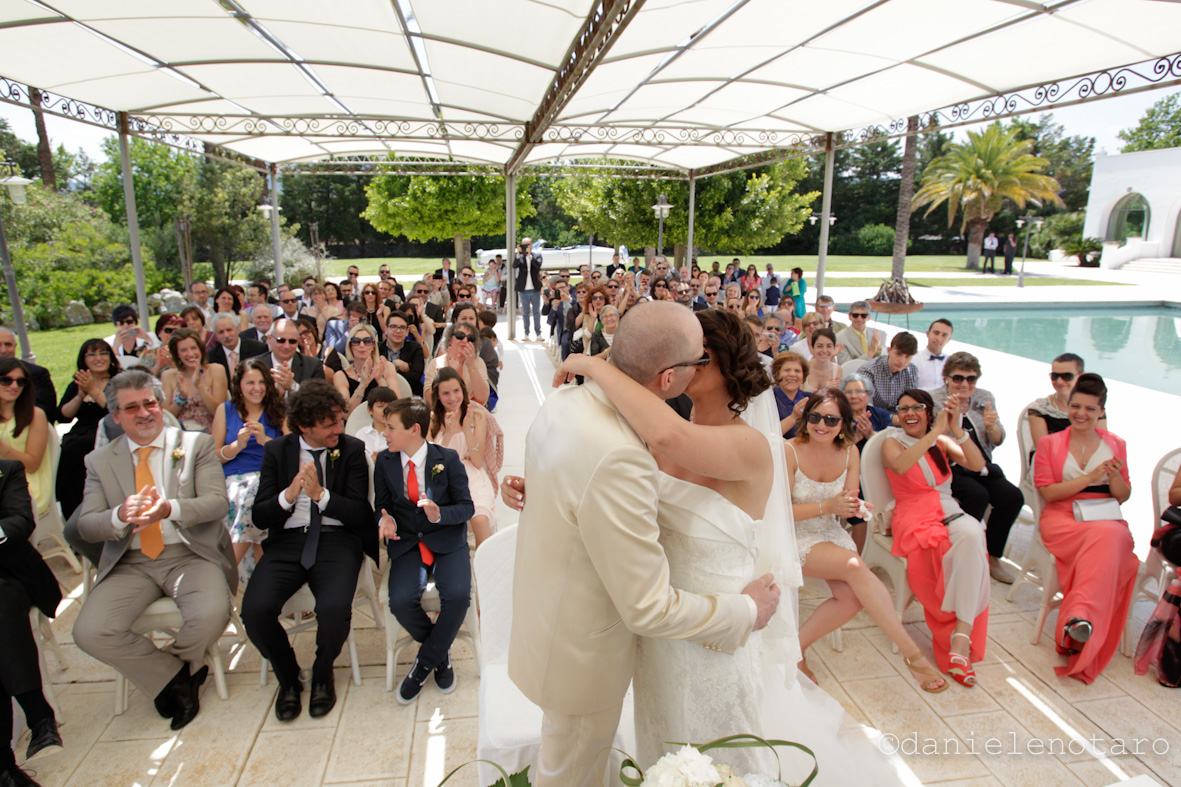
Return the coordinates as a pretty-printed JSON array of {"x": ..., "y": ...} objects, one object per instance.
[
  {"x": 859, "y": 342},
  {"x": 590, "y": 574},
  {"x": 155, "y": 498}
]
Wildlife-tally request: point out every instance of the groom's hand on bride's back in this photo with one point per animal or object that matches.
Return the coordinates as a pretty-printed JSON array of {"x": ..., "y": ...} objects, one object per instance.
[{"x": 765, "y": 593}]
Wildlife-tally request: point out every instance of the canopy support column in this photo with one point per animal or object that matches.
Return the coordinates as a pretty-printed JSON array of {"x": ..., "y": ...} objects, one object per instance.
[
  {"x": 510, "y": 246},
  {"x": 825, "y": 211},
  {"x": 14, "y": 299},
  {"x": 137, "y": 262},
  {"x": 276, "y": 242},
  {"x": 692, "y": 205}
]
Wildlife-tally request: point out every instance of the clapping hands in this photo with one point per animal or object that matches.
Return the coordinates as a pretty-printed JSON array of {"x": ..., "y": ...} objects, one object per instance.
[{"x": 145, "y": 508}]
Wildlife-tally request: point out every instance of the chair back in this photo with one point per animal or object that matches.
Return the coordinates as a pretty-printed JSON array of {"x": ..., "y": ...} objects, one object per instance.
[
  {"x": 357, "y": 420},
  {"x": 848, "y": 367},
  {"x": 404, "y": 389},
  {"x": 1162, "y": 479},
  {"x": 875, "y": 484},
  {"x": 1026, "y": 447},
  {"x": 493, "y": 566}
]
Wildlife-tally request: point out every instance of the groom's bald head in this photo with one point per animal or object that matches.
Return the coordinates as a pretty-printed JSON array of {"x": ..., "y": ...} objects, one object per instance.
[{"x": 653, "y": 336}]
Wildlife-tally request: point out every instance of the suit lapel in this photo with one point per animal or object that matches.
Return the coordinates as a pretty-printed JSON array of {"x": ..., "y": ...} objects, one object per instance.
[
  {"x": 394, "y": 475},
  {"x": 433, "y": 457},
  {"x": 292, "y": 458},
  {"x": 124, "y": 467},
  {"x": 330, "y": 466},
  {"x": 172, "y": 438}
]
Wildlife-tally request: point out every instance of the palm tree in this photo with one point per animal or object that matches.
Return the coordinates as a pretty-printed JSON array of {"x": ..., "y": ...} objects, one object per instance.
[{"x": 978, "y": 175}]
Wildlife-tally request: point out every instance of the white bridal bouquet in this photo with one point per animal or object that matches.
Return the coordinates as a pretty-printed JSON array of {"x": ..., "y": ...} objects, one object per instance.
[{"x": 689, "y": 767}]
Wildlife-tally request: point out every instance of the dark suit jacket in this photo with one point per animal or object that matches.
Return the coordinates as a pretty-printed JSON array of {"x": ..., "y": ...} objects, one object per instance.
[
  {"x": 247, "y": 348},
  {"x": 532, "y": 266},
  {"x": 435, "y": 312},
  {"x": 448, "y": 276},
  {"x": 252, "y": 335},
  {"x": 346, "y": 477},
  {"x": 411, "y": 353},
  {"x": 19, "y": 560},
  {"x": 305, "y": 367},
  {"x": 447, "y": 487},
  {"x": 46, "y": 394}
]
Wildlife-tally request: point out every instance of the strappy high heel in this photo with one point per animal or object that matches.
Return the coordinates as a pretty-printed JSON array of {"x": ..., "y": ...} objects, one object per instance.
[
  {"x": 961, "y": 668},
  {"x": 926, "y": 672}
]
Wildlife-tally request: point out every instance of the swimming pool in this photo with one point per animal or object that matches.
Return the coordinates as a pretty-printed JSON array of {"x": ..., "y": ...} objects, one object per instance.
[{"x": 1134, "y": 344}]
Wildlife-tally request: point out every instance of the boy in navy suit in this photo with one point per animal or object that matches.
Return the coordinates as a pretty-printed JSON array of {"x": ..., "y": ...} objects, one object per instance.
[{"x": 421, "y": 492}]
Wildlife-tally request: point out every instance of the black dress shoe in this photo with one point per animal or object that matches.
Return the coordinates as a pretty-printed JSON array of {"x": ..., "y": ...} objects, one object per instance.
[
  {"x": 412, "y": 684},
  {"x": 323, "y": 699},
  {"x": 188, "y": 703},
  {"x": 166, "y": 702},
  {"x": 15, "y": 777},
  {"x": 45, "y": 738},
  {"x": 288, "y": 705},
  {"x": 445, "y": 675}
]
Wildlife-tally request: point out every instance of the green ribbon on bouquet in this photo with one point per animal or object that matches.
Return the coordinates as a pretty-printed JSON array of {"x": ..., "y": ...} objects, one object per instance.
[{"x": 741, "y": 741}]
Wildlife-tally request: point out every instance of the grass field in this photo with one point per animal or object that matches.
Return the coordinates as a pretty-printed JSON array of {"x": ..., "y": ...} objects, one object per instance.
[{"x": 57, "y": 350}]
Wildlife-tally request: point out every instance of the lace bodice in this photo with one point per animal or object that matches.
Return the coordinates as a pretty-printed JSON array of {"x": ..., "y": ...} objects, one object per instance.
[{"x": 827, "y": 527}]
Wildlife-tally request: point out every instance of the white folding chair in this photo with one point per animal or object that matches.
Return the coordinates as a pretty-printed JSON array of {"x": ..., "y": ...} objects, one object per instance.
[
  {"x": 358, "y": 419},
  {"x": 876, "y": 553},
  {"x": 50, "y": 523},
  {"x": 404, "y": 389},
  {"x": 848, "y": 367},
  {"x": 163, "y": 617},
  {"x": 1156, "y": 573}
]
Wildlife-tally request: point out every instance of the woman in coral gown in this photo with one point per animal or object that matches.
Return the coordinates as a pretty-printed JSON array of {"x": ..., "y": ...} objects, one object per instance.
[{"x": 1096, "y": 566}]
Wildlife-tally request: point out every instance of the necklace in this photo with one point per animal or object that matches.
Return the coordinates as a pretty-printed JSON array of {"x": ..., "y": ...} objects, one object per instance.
[{"x": 1054, "y": 401}]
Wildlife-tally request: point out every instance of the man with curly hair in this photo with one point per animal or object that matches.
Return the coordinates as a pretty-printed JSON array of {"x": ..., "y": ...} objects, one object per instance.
[{"x": 313, "y": 499}]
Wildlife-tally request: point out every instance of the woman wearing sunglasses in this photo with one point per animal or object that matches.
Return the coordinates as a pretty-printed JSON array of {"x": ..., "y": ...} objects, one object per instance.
[
  {"x": 827, "y": 492},
  {"x": 24, "y": 430},
  {"x": 975, "y": 490},
  {"x": 944, "y": 547},
  {"x": 752, "y": 302},
  {"x": 367, "y": 368},
  {"x": 160, "y": 358},
  {"x": 462, "y": 354},
  {"x": 1049, "y": 415}
]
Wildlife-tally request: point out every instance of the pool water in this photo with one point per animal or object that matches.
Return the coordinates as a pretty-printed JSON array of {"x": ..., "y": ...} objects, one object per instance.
[{"x": 1140, "y": 345}]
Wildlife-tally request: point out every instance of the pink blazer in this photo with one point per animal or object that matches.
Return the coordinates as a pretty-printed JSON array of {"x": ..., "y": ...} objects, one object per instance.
[{"x": 1053, "y": 449}]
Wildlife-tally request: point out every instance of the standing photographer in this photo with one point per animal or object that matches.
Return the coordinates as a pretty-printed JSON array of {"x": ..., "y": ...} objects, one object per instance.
[{"x": 527, "y": 270}]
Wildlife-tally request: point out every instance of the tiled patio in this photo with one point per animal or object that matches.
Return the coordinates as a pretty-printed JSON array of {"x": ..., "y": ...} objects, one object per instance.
[{"x": 370, "y": 739}]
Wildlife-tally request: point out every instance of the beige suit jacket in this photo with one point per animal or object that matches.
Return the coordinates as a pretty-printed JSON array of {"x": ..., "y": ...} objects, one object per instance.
[
  {"x": 590, "y": 574},
  {"x": 196, "y": 478},
  {"x": 852, "y": 344}
]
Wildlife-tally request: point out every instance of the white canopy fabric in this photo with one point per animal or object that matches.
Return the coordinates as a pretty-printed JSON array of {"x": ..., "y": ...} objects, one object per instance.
[{"x": 683, "y": 84}]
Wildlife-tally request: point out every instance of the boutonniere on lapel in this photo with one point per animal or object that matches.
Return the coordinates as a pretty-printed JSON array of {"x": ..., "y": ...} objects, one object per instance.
[
  {"x": 333, "y": 455},
  {"x": 177, "y": 455},
  {"x": 436, "y": 470}
]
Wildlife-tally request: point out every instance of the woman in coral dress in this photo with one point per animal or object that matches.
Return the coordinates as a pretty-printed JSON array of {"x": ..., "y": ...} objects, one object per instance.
[
  {"x": 945, "y": 549},
  {"x": 1096, "y": 566}
]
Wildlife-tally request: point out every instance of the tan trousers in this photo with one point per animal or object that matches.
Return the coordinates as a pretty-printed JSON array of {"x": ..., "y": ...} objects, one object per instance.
[{"x": 571, "y": 748}]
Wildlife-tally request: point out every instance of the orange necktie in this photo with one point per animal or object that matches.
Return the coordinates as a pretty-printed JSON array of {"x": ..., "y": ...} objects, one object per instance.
[
  {"x": 428, "y": 557},
  {"x": 151, "y": 538}
]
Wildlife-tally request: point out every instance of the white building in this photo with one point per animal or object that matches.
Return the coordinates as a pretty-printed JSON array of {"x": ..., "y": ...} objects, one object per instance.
[{"x": 1135, "y": 206}]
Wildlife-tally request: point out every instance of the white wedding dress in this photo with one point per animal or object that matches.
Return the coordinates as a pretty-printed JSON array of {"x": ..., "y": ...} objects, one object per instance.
[{"x": 689, "y": 694}]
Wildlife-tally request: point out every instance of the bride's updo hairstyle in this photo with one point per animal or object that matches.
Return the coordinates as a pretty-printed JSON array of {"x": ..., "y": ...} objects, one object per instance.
[
  {"x": 847, "y": 436},
  {"x": 732, "y": 349}
]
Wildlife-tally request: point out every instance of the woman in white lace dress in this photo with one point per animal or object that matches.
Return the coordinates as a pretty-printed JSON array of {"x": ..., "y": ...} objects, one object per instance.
[{"x": 826, "y": 445}]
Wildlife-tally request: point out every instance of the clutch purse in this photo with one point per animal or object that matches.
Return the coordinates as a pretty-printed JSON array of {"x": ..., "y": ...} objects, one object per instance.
[{"x": 1094, "y": 510}]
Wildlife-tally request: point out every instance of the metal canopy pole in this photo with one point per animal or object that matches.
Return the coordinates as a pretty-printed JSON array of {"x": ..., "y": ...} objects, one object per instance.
[
  {"x": 692, "y": 205},
  {"x": 276, "y": 243},
  {"x": 137, "y": 262},
  {"x": 825, "y": 211},
  {"x": 14, "y": 299},
  {"x": 510, "y": 245}
]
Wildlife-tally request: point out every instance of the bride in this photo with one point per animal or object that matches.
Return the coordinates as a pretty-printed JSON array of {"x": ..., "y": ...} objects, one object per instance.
[{"x": 724, "y": 519}]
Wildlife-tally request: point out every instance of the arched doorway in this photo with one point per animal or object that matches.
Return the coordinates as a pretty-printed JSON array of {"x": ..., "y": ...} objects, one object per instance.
[
  {"x": 1177, "y": 237},
  {"x": 1129, "y": 218}
]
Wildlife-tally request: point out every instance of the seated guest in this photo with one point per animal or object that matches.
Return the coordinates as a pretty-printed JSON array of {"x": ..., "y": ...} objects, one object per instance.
[
  {"x": 288, "y": 303},
  {"x": 403, "y": 353},
  {"x": 289, "y": 367},
  {"x": 129, "y": 340},
  {"x": 310, "y": 344},
  {"x": 228, "y": 301},
  {"x": 85, "y": 399},
  {"x": 867, "y": 421},
  {"x": 376, "y": 312},
  {"x": 1096, "y": 565},
  {"x": 976, "y": 491},
  {"x": 321, "y": 310},
  {"x": 263, "y": 319},
  {"x": 366, "y": 369},
  {"x": 929, "y": 362},
  {"x": 25, "y": 582},
  {"x": 824, "y": 309},
  {"x": 785, "y": 337},
  {"x": 198, "y": 323},
  {"x": 422, "y": 327},
  {"x": 601, "y": 339},
  {"x": 462, "y": 355},
  {"x": 24, "y": 432},
  {"x": 41, "y": 380},
  {"x": 313, "y": 501},
  {"x": 823, "y": 369},
  {"x": 231, "y": 348},
  {"x": 1048, "y": 415},
  {"x": 373, "y": 436},
  {"x": 944, "y": 547},
  {"x": 195, "y": 389},
  {"x": 789, "y": 370},
  {"x": 159, "y": 515},
  {"x": 893, "y": 372},
  {"x": 421, "y": 493},
  {"x": 466, "y": 312},
  {"x": 160, "y": 359},
  {"x": 808, "y": 324},
  {"x": 241, "y": 428},
  {"x": 859, "y": 342},
  {"x": 464, "y": 427},
  {"x": 823, "y": 473}
]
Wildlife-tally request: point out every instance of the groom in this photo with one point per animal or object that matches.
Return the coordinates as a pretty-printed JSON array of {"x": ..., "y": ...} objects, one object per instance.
[{"x": 590, "y": 574}]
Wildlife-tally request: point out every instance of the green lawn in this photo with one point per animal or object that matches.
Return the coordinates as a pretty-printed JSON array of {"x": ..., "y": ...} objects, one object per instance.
[{"x": 57, "y": 350}]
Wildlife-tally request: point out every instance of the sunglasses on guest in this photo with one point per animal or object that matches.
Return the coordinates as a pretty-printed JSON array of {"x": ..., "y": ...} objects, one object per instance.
[
  {"x": 830, "y": 421},
  {"x": 859, "y": 315},
  {"x": 1066, "y": 377},
  {"x": 960, "y": 379},
  {"x": 6, "y": 381},
  {"x": 361, "y": 340},
  {"x": 281, "y": 340},
  {"x": 127, "y": 321},
  {"x": 463, "y": 337}
]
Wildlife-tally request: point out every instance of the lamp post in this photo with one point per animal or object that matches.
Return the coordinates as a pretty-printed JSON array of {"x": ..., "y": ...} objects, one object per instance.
[
  {"x": 1034, "y": 221},
  {"x": 16, "y": 189},
  {"x": 815, "y": 217},
  {"x": 314, "y": 237},
  {"x": 661, "y": 209},
  {"x": 822, "y": 243}
]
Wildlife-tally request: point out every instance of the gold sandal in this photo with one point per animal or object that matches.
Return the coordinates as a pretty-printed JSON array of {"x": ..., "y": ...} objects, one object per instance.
[{"x": 926, "y": 672}]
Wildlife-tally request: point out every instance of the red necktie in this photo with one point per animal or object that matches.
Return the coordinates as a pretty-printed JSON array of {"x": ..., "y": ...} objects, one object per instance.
[{"x": 428, "y": 557}]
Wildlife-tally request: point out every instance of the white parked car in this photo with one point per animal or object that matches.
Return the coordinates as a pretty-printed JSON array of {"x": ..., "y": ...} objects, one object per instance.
[{"x": 564, "y": 257}]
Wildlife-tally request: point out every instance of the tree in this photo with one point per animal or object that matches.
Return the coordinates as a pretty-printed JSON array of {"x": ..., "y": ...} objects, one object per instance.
[
  {"x": 1071, "y": 159},
  {"x": 425, "y": 207},
  {"x": 226, "y": 224},
  {"x": 160, "y": 176},
  {"x": 977, "y": 176},
  {"x": 905, "y": 197},
  {"x": 737, "y": 212},
  {"x": 1160, "y": 127},
  {"x": 335, "y": 203},
  {"x": 66, "y": 165},
  {"x": 44, "y": 151}
]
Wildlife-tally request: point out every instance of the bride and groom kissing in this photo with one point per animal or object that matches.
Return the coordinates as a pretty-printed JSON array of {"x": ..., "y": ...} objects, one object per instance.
[{"x": 637, "y": 547}]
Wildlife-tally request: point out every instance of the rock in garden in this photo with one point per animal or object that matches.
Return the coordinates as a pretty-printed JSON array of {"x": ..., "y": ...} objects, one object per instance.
[
  {"x": 173, "y": 304},
  {"x": 76, "y": 313},
  {"x": 102, "y": 311},
  {"x": 154, "y": 301}
]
